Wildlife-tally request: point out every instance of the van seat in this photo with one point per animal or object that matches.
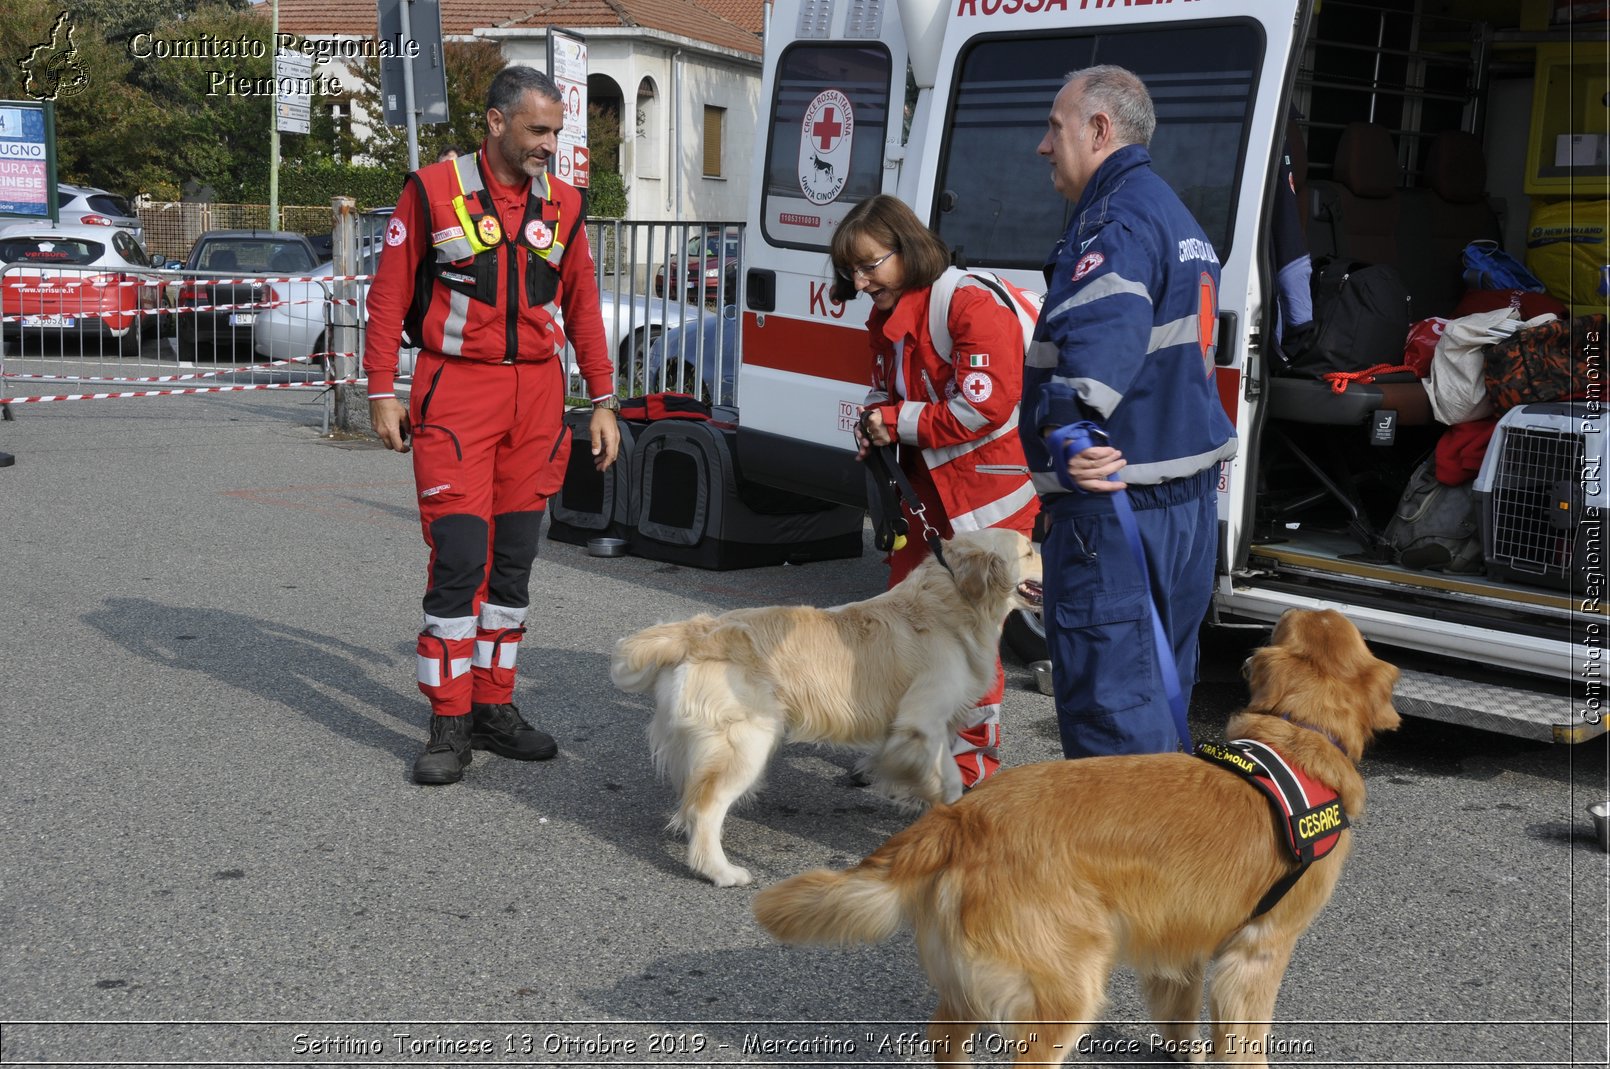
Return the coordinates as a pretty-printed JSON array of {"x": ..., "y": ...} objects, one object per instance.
[
  {"x": 1355, "y": 214},
  {"x": 1313, "y": 401},
  {"x": 1448, "y": 211}
]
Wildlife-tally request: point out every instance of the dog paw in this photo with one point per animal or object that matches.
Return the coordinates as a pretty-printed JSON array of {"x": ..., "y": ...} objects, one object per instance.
[{"x": 730, "y": 876}]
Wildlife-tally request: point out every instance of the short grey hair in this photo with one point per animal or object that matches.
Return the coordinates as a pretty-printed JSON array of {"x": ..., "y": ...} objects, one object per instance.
[
  {"x": 511, "y": 85},
  {"x": 1121, "y": 94}
]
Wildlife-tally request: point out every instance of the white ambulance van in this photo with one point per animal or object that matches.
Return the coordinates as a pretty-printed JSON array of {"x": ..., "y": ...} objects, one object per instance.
[{"x": 942, "y": 103}]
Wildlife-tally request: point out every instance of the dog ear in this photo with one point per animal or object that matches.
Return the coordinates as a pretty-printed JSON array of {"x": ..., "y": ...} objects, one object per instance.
[{"x": 981, "y": 574}]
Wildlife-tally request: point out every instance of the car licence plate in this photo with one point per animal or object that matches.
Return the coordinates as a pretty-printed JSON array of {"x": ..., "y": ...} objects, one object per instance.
[
  {"x": 242, "y": 319},
  {"x": 49, "y": 321}
]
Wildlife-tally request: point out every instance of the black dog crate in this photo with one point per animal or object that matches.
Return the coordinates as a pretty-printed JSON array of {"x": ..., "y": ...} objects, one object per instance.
[
  {"x": 1541, "y": 495},
  {"x": 694, "y": 508},
  {"x": 592, "y": 503}
]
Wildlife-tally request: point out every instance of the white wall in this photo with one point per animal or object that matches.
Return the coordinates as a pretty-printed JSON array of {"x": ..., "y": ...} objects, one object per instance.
[{"x": 664, "y": 178}]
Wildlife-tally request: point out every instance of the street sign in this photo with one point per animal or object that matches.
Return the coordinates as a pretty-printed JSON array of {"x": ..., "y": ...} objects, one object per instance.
[
  {"x": 293, "y": 91},
  {"x": 421, "y": 50},
  {"x": 567, "y": 66}
]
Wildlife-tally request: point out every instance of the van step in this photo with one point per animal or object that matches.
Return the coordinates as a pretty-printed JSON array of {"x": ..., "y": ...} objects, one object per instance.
[{"x": 1490, "y": 707}]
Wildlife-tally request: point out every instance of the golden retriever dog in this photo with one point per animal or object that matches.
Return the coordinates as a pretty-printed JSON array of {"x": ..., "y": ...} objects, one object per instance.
[
  {"x": 1026, "y": 893},
  {"x": 893, "y": 675}
]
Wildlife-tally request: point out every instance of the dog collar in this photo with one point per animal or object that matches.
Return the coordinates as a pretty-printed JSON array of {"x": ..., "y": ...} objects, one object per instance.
[{"x": 1334, "y": 741}]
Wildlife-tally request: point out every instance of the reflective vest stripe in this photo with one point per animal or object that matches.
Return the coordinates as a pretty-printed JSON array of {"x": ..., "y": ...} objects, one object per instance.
[
  {"x": 994, "y": 512},
  {"x": 944, "y": 454},
  {"x": 458, "y": 313}
]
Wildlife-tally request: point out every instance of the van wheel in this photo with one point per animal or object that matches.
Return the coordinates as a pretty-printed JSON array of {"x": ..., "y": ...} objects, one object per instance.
[{"x": 1025, "y": 636}]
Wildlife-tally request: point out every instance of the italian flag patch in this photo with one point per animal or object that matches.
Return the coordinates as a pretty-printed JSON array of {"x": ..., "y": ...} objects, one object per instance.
[{"x": 978, "y": 360}]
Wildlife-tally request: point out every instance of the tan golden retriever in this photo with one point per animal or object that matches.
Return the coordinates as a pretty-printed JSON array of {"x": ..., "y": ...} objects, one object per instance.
[
  {"x": 892, "y": 675},
  {"x": 1028, "y": 891}
]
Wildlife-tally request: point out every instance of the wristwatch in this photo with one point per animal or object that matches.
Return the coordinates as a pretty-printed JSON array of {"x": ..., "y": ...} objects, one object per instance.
[{"x": 611, "y": 402}]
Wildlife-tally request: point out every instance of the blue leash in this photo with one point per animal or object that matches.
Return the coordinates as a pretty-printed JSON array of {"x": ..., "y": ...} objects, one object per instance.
[{"x": 1063, "y": 443}]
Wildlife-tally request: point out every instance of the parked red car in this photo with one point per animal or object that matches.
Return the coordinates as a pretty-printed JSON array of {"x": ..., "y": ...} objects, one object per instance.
[
  {"x": 76, "y": 283},
  {"x": 713, "y": 260}
]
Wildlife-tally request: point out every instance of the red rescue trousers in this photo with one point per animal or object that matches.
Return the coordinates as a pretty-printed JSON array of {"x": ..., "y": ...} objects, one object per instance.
[
  {"x": 976, "y": 746},
  {"x": 490, "y": 447}
]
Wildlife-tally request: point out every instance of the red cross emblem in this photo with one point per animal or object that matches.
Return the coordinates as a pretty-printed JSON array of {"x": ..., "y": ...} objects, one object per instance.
[
  {"x": 827, "y": 129},
  {"x": 977, "y": 386}
]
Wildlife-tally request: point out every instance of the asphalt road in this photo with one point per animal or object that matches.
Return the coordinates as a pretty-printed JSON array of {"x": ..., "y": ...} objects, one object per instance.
[{"x": 213, "y": 852}]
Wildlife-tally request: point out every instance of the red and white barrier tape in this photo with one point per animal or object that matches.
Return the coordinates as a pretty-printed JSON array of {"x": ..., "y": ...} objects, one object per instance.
[
  {"x": 174, "y": 378},
  {"x": 176, "y": 393},
  {"x": 129, "y": 313},
  {"x": 50, "y": 282}
]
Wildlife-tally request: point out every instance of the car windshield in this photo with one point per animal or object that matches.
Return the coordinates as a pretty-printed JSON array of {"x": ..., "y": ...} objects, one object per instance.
[
  {"x": 254, "y": 254},
  {"x": 50, "y": 250},
  {"x": 711, "y": 246}
]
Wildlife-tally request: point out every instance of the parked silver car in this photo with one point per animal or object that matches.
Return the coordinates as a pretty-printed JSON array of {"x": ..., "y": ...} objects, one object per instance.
[{"x": 294, "y": 323}]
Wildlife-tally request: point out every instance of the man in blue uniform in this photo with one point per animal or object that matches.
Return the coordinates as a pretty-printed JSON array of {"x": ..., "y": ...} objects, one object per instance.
[{"x": 1126, "y": 341}]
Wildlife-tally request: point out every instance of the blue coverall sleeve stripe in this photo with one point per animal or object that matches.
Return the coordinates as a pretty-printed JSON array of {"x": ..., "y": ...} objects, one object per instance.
[{"x": 1185, "y": 331}]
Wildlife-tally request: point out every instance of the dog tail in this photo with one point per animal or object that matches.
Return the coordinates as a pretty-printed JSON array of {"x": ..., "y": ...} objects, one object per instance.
[
  {"x": 828, "y": 906},
  {"x": 866, "y": 904},
  {"x": 640, "y": 657}
]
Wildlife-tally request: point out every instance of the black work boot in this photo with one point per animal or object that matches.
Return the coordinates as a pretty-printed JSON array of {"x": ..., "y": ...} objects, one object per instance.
[
  {"x": 501, "y": 729},
  {"x": 447, "y": 754}
]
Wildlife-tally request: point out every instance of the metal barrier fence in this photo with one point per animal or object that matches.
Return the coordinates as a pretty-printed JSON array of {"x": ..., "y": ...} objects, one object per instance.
[
  {"x": 84, "y": 333},
  {"x": 663, "y": 331},
  {"x": 69, "y": 332}
]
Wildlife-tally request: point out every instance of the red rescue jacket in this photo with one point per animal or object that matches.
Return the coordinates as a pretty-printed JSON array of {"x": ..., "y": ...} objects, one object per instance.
[
  {"x": 467, "y": 283},
  {"x": 960, "y": 408}
]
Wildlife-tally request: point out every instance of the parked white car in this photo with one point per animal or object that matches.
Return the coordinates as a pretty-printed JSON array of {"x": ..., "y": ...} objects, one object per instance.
[
  {"x": 96, "y": 207},
  {"x": 294, "y": 323}
]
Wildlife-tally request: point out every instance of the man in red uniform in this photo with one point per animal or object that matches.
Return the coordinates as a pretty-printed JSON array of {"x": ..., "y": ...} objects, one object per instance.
[{"x": 486, "y": 256}]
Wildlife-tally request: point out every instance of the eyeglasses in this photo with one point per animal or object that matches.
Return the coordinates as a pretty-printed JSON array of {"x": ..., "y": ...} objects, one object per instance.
[{"x": 865, "y": 270}]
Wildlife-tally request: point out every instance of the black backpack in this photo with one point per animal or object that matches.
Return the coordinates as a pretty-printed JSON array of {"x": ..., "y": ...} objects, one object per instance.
[
  {"x": 1436, "y": 527},
  {"x": 1362, "y": 316}
]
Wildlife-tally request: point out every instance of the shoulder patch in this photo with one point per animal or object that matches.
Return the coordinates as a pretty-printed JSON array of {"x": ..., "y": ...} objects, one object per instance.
[
  {"x": 396, "y": 231},
  {"x": 1087, "y": 263},
  {"x": 978, "y": 386}
]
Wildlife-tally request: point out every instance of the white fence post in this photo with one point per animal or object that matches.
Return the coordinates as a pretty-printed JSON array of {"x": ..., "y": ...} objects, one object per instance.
[{"x": 351, "y": 399}]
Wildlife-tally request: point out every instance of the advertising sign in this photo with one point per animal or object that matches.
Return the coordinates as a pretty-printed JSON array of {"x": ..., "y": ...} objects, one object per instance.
[{"x": 28, "y": 159}]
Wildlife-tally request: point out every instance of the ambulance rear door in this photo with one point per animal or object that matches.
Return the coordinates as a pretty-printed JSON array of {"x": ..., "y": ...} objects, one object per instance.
[{"x": 834, "y": 86}]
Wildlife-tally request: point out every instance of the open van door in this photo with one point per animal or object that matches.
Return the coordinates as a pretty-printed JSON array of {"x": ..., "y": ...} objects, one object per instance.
[{"x": 943, "y": 102}]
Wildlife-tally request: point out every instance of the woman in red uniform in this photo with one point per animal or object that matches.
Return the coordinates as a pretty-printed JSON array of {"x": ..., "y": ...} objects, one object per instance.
[{"x": 952, "y": 410}]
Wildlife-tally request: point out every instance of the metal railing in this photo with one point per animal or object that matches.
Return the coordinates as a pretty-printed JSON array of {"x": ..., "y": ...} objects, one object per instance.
[
  {"x": 664, "y": 333},
  {"x": 71, "y": 333},
  {"x": 84, "y": 333}
]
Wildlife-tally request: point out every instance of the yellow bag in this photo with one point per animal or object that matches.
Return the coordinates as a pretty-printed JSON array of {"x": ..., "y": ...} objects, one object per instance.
[{"x": 1568, "y": 248}]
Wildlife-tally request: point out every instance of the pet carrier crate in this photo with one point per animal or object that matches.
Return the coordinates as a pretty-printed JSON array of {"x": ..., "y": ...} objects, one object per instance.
[{"x": 1541, "y": 495}]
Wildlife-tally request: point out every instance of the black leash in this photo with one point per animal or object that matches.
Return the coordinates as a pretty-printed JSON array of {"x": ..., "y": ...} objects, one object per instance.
[{"x": 891, "y": 486}]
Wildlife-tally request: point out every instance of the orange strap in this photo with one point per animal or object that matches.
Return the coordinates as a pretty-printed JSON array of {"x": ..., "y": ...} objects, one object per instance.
[{"x": 1339, "y": 379}]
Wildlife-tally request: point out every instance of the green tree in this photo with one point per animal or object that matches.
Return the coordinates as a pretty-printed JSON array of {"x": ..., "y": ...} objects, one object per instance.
[
  {"x": 159, "y": 124},
  {"x": 470, "y": 69}
]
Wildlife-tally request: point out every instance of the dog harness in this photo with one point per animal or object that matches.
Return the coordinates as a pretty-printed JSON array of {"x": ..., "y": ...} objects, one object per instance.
[{"x": 1308, "y": 811}]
